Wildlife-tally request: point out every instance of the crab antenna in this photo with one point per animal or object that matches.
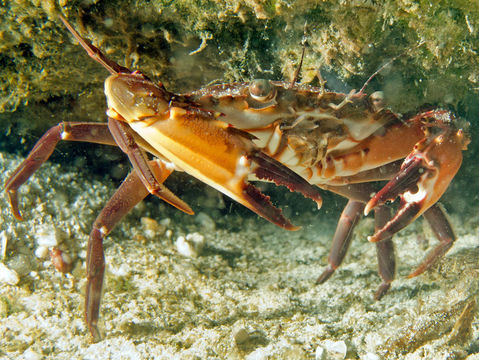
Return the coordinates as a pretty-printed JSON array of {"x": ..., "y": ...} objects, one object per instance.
[
  {"x": 387, "y": 64},
  {"x": 296, "y": 74},
  {"x": 303, "y": 43},
  {"x": 94, "y": 52}
]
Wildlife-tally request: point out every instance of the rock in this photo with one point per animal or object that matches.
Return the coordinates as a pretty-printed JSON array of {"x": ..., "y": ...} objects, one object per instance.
[{"x": 191, "y": 245}]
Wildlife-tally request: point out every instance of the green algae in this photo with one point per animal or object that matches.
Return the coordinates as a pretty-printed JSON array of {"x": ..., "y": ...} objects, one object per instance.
[{"x": 187, "y": 44}]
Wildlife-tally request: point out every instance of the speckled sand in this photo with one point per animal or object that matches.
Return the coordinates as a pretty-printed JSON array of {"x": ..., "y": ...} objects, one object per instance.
[{"x": 250, "y": 294}]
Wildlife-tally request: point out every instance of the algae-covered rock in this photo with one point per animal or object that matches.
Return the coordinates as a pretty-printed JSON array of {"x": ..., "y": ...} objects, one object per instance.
[{"x": 187, "y": 44}]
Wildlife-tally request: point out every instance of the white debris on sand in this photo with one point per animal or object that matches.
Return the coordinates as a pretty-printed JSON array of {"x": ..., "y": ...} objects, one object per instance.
[{"x": 250, "y": 293}]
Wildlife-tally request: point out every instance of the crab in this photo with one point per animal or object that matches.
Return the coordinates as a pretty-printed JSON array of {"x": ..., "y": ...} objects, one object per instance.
[
  {"x": 298, "y": 136},
  {"x": 350, "y": 144}
]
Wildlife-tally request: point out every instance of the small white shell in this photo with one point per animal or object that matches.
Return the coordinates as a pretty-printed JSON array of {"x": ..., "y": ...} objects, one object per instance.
[
  {"x": 190, "y": 246},
  {"x": 8, "y": 276},
  {"x": 41, "y": 252}
]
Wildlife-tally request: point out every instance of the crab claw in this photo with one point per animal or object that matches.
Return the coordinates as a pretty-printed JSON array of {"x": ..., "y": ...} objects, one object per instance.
[
  {"x": 424, "y": 176},
  {"x": 267, "y": 168},
  {"x": 272, "y": 170}
]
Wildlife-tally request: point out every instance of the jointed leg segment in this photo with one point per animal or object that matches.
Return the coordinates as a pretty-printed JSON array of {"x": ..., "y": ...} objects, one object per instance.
[
  {"x": 73, "y": 131},
  {"x": 130, "y": 193}
]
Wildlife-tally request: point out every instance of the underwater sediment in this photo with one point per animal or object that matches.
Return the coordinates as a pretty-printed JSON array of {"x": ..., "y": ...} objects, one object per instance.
[{"x": 249, "y": 292}]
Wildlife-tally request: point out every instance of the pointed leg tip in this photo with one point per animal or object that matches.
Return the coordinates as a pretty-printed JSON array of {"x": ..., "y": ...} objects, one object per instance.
[
  {"x": 16, "y": 212},
  {"x": 325, "y": 275},
  {"x": 382, "y": 290},
  {"x": 416, "y": 272},
  {"x": 95, "y": 333},
  {"x": 17, "y": 215},
  {"x": 374, "y": 238},
  {"x": 292, "y": 227},
  {"x": 369, "y": 206},
  {"x": 12, "y": 198}
]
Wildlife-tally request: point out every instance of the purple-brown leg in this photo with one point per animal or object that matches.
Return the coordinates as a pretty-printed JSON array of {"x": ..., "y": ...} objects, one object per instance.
[
  {"x": 359, "y": 195},
  {"x": 385, "y": 253},
  {"x": 130, "y": 193},
  {"x": 125, "y": 138},
  {"x": 73, "y": 131},
  {"x": 350, "y": 216},
  {"x": 441, "y": 227}
]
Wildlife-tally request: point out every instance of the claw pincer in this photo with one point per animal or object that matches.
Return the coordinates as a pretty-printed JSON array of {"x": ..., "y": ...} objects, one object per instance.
[{"x": 424, "y": 175}]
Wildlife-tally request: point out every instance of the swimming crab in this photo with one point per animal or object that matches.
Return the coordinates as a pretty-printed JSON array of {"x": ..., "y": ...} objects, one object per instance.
[{"x": 302, "y": 137}]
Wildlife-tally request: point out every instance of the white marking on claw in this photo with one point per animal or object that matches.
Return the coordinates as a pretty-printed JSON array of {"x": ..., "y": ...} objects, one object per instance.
[
  {"x": 242, "y": 168},
  {"x": 417, "y": 197}
]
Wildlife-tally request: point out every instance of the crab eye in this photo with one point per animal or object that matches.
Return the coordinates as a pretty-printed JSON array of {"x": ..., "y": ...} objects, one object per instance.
[
  {"x": 377, "y": 100},
  {"x": 262, "y": 90}
]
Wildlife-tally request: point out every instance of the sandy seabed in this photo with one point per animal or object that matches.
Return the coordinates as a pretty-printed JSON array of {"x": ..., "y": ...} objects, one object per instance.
[{"x": 249, "y": 294}]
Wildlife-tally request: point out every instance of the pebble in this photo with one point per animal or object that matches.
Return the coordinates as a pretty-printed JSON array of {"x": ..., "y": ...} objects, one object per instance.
[
  {"x": 205, "y": 221},
  {"x": 41, "y": 252},
  {"x": 31, "y": 355},
  {"x": 165, "y": 222},
  {"x": 152, "y": 228},
  {"x": 8, "y": 276},
  {"x": 191, "y": 245},
  {"x": 331, "y": 350},
  {"x": 3, "y": 244},
  {"x": 320, "y": 353},
  {"x": 46, "y": 237},
  {"x": 22, "y": 264},
  {"x": 241, "y": 336}
]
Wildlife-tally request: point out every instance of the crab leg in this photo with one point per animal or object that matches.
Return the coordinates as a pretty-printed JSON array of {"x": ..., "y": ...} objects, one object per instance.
[
  {"x": 385, "y": 253},
  {"x": 73, "y": 131},
  {"x": 130, "y": 193},
  {"x": 125, "y": 139},
  {"x": 358, "y": 195},
  {"x": 342, "y": 237},
  {"x": 436, "y": 217}
]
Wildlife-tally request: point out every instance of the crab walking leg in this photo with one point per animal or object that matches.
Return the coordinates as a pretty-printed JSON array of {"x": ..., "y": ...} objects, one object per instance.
[
  {"x": 129, "y": 194},
  {"x": 125, "y": 138},
  {"x": 442, "y": 228},
  {"x": 73, "y": 131},
  {"x": 342, "y": 237},
  {"x": 385, "y": 253},
  {"x": 358, "y": 195}
]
